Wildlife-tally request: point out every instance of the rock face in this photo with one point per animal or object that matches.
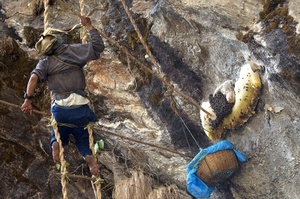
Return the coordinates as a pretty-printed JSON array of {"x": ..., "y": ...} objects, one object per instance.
[{"x": 197, "y": 45}]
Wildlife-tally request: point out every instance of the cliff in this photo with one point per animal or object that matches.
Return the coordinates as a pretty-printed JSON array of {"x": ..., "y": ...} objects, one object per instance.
[{"x": 197, "y": 45}]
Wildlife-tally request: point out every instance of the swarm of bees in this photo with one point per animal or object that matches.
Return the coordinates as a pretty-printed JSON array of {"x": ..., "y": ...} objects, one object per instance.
[{"x": 243, "y": 96}]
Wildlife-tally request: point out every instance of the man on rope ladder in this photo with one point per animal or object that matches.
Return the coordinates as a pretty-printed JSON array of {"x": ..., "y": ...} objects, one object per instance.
[{"x": 62, "y": 69}]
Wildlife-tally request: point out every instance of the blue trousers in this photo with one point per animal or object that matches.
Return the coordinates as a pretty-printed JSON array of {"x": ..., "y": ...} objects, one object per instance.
[{"x": 78, "y": 117}]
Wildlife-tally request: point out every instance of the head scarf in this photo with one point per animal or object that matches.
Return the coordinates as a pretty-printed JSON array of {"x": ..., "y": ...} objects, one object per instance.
[{"x": 49, "y": 42}]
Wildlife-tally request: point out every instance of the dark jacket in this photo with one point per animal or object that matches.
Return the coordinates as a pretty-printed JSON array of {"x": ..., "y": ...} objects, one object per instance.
[{"x": 63, "y": 71}]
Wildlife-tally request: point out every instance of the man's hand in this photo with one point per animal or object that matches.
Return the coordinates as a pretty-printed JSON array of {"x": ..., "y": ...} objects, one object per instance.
[
  {"x": 27, "y": 107},
  {"x": 86, "y": 21}
]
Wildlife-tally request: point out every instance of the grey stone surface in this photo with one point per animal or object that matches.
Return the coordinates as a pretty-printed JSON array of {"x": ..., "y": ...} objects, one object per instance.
[{"x": 199, "y": 45}]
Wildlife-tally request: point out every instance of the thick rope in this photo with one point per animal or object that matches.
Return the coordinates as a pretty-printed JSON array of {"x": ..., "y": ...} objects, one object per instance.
[
  {"x": 46, "y": 14},
  {"x": 54, "y": 124},
  {"x": 96, "y": 185},
  {"x": 91, "y": 138},
  {"x": 62, "y": 160},
  {"x": 84, "y": 35},
  {"x": 83, "y": 29},
  {"x": 153, "y": 60}
]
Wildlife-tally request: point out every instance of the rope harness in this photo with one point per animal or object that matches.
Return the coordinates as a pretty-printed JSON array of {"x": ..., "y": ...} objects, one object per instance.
[{"x": 83, "y": 30}]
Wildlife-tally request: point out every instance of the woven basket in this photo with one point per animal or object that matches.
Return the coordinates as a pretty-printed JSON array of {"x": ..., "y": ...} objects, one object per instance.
[{"x": 217, "y": 167}]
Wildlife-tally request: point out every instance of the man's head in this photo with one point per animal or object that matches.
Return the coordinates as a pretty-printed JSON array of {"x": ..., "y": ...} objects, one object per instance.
[{"x": 49, "y": 42}]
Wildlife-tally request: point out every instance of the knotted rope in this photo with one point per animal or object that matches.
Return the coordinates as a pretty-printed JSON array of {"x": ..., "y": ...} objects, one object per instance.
[
  {"x": 83, "y": 29},
  {"x": 153, "y": 60},
  {"x": 62, "y": 160},
  {"x": 46, "y": 14},
  {"x": 97, "y": 184},
  {"x": 63, "y": 167}
]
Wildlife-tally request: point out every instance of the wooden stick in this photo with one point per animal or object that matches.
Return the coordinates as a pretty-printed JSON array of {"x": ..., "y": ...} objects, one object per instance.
[
  {"x": 79, "y": 177},
  {"x": 141, "y": 142},
  {"x": 16, "y": 106}
]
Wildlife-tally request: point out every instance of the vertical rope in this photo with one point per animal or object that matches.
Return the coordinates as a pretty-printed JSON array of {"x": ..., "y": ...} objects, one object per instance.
[
  {"x": 63, "y": 169},
  {"x": 90, "y": 130},
  {"x": 97, "y": 192},
  {"x": 46, "y": 14},
  {"x": 152, "y": 58},
  {"x": 83, "y": 30},
  {"x": 54, "y": 123},
  {"x": 91, "y": 139}
]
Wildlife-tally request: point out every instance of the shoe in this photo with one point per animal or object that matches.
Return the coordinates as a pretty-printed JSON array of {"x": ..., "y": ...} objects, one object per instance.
[
  {"x": 55, "y": 152},
  {"x": 93, "y": 166}
]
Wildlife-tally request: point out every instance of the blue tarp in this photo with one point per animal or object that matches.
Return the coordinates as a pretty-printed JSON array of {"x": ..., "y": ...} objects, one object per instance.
[{"x": 195, "y": 185}]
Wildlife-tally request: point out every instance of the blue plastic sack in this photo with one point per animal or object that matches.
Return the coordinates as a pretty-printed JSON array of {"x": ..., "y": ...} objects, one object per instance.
[{"x": 195, "y": 185}]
